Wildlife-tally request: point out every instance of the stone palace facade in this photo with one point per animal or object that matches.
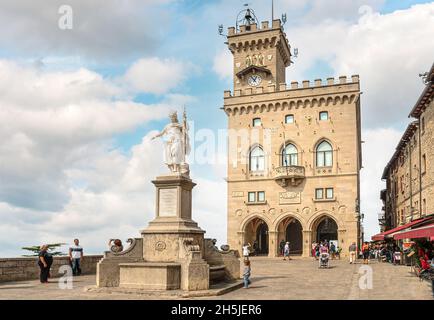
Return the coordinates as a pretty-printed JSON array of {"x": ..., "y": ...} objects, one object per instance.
[{"x": 294, "y": 149}]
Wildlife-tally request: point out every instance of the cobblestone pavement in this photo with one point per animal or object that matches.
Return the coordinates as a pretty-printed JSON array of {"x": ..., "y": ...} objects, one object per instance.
[
  {"x": 271, "y": 279},
  {"x": 301, "y": 279}
]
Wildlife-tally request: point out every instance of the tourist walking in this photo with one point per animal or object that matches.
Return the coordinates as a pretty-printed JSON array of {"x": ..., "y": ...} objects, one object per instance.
[
  {"x": 246, "y": 274},
  {"x": 317, "y": 247},
  {"x": 286, "y": 251},
  {"x": 333, "y": 250},
  {"x": 45, "y": 260},
  {"x": 75, "y": 256},
  {"x": 365, "y": 252},
  {"x": 313, "y": 251},
  {"x": 282, "y": 247},
  {"x": 353, "y": 252}
]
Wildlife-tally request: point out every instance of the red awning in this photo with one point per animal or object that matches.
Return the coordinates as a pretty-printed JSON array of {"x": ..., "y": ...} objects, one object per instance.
[
  {"x": 382, "y": 235},
  {"x": 422, "y": 232}
]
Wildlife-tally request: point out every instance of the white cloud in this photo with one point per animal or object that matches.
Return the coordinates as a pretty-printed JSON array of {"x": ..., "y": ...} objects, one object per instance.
[
  {"x": 53, "y": 121},
  {"x": 386, "y": 50},
  {"x": 209, "y": 208},
  {"x": 222, "y": 64},
  {"x": 115, "y": 199},
  {"x": 102, "y": 30},
  {"x": 155, "y": 75},
  {"x": 61, "y": 176},
  {"x": 323, "y": 10},
  {"x": 379, "y": 146}
]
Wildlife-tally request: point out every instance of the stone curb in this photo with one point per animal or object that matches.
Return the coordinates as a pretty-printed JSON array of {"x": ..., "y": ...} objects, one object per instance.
[{"x": 168, "y": 294}]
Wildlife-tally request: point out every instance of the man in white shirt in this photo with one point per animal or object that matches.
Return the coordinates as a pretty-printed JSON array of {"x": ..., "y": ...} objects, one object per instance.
[{"x": 75, "y": 255}]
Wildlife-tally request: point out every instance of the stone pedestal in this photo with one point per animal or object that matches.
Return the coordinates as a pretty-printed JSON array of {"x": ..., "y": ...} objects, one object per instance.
[
  {"x": 170, "y": 254},
  {"x": 150, "y": 276},
  {"x": 173, "y": 236},
  {"x": 161, "y": 239}
]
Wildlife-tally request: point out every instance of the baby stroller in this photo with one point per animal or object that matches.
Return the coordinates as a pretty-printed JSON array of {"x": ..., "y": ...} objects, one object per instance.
[{"x": 324, "y": 258}]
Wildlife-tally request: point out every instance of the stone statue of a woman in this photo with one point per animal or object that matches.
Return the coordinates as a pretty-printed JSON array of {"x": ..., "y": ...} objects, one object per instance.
[{"x": 177, "y": 144}]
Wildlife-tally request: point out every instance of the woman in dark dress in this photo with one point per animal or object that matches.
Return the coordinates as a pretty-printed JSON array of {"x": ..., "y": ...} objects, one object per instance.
[
  {"x": 45, "y": 260},
  {"x": 365, "y": 251}
]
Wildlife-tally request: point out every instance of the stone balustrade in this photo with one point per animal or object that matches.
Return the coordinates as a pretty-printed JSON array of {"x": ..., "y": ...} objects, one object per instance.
[{"x": 289, "y": 174}]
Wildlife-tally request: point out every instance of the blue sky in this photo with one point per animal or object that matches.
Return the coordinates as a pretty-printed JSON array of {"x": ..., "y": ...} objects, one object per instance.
[{"x": 75, "y": 105}]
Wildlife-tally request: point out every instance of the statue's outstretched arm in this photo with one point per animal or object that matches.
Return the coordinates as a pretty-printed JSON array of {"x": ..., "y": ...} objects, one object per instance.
[{"x": 159, "y": 134}]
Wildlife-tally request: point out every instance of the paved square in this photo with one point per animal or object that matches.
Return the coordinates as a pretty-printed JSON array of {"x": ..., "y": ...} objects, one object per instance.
[{"x": 274, "y": 278}]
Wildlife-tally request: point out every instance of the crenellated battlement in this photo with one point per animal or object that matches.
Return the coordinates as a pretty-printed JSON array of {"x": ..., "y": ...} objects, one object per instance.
[
  {"x": 265, "y": 25},
  {"x": 305, "y": 84}
]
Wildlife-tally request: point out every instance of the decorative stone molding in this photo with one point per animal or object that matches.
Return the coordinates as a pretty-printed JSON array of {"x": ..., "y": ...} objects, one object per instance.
[
  {"x": 190, "y": 245},
  {"x": 133, "y": 250},
  {"x": 285, "y": 215},
  {"x": 290, "y": 103},
  {"x": 324, "y": 213},
  {"x": 160, "y": 246}
]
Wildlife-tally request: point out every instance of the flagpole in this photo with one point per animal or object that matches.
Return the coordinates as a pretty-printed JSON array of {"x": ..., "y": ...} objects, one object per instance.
[{"x": 272, "y": 11}]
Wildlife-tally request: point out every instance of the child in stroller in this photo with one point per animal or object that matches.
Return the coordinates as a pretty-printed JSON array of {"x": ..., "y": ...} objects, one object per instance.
[{"x": 324, "y": 257}]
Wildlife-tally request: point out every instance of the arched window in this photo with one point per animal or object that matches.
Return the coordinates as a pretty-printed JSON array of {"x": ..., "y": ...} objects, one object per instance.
[
  {"x": 324, "y": 154},
  {"x": 289, "y": 155},
  {"x": 257, "y": 159}
]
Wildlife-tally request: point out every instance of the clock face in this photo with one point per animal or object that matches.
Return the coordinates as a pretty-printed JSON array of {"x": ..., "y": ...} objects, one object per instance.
[{"x": 254, "y": 80}]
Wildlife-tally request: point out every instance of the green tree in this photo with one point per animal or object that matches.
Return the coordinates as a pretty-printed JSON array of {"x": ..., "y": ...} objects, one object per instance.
[{"x": 51, "y": 249}]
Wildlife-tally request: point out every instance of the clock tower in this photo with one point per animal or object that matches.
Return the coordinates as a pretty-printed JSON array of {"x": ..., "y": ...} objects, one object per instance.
[
  {"x": 261, "y": 53},
  {"x": 294, "y": 149}
]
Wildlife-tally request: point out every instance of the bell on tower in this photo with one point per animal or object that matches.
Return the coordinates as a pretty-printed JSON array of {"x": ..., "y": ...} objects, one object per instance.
[
  {"x": 246, "y": 18},
  {"x": 261, "y": 52}
]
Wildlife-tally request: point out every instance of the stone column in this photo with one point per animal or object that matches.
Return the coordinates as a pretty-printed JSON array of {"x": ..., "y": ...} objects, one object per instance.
[
  {"x": 343, "y": 242},
  {"x": 307, "y": 243},
  {"x": 240, "y": 243},
  {"x": 272, "y": 244}
]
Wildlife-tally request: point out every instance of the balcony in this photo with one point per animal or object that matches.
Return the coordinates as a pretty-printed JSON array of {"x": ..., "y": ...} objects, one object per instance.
[{"x": 290, "y": 175}]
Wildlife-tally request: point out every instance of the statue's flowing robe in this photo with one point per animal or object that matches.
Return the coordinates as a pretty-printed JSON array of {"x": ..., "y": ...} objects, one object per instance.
[{"x": 174, "y": 153}]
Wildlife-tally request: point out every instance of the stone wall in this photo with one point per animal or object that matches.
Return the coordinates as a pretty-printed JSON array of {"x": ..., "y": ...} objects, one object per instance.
[
  {"x": 427, "y": 143},
  {"x": 26, "y": 268}
]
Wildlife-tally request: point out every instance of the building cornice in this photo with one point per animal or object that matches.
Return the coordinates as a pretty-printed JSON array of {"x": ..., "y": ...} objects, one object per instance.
[
  {"x": 411, "y": 128},
  {"x": 306, "y": 177},
  {"x": 426, "y": 96}
]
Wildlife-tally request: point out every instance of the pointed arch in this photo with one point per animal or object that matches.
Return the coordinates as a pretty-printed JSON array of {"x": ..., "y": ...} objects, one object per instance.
[
  {"x": 323, "y": 153},
  {"x": 256, "y": 158}
]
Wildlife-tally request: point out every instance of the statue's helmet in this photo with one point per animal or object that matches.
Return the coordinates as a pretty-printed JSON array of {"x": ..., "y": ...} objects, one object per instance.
[{"x": 173, "y": 116}]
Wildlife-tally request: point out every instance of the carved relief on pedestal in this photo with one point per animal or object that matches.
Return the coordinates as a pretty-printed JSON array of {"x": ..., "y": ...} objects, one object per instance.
[
  {"x": 190, "y": 245},
  {"x": 160, "y": 246}
]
